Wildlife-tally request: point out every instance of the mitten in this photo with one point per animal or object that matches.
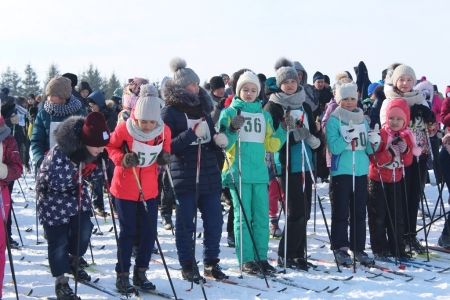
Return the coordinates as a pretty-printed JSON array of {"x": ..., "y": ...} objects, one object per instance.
[
  {"x": 374, "y": 135},
  {"x": 301, "y": 133},
  {"x": 288, "y": 121},
  {"x": 130, "y": 160},
  {"x": 353, "y": 133},
  {"x": 394, "y": 149},
  {"x": 200, "y": 129},
  {"x": 402, "y": 146},
  {"x": 236, "y": 123},
  {"x": 221, "y": 140},
  {"x": 163, "y": 158},
  {"x": 313, "y": 142}
]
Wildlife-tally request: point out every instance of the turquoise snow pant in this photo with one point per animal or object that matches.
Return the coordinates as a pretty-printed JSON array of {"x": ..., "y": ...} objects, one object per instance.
[{"x": 255, "y": 200}]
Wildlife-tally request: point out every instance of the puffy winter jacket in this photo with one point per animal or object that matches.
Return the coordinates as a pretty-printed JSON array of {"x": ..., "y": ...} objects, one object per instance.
[{"x": 11, "y": 158}]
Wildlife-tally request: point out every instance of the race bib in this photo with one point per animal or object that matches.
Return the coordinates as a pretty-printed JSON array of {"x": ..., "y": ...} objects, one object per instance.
[
  {"x": 146, "y": 153},
  {"x": 360, "y": 142},
  {"x": 21, "y": 119},
  {"x": 53, "y": 127},
  {"x": 205, "y": 139},
  {"x": 254, "y": 128}
]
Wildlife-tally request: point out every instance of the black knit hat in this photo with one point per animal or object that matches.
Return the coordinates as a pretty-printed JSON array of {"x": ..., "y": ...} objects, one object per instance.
[
  {"x": 326, "y": 79},
  {"x": 317, "y": 75},
  {"x": 31, "y": 96},
  {"x": 216, "y": 82},
  {"x": 73, "y": 78}
]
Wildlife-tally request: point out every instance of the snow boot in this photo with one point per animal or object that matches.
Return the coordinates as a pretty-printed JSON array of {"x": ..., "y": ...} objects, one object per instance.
[
  {"x": 213, "y": 269},
  {"x": 82, "y": 275},
  {"x": 63, "y": 290},
  {"x": 191, "y": 275},
  {"x": 343, "y": 258},
  {"x": 123, "y": 284},
  {"x": 167, "y": 222},
  {"x": 290, "y": 263},
  {"x": 251, "y": 267},
  {"x": 444, "y": 241},
  {"x": 275, "y": 231},
  {"x": 268, "y": 269},
  {"x": 416, "y": 246},
  {"x": 363, "y": 258},
  {"x": 140, "y": 279}
]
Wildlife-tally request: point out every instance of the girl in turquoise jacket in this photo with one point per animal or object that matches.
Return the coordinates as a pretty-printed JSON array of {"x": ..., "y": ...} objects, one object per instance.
[
  {"x": 346, "y": 125},
  {"x": 257, "y": 135}
]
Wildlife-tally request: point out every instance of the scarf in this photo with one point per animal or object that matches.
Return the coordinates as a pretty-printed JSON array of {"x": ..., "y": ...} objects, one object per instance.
[
  {"x": 293, "y": 101},
  {"x": 4, "y": 132},
  {"x": 138, "y": 134},
  {"x": 357, "y": 116},
  {"x": 413, "y": 97},
  {"x": 61, "y": 110}
]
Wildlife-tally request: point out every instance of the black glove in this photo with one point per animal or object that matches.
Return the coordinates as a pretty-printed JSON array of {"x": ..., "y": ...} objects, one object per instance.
[
  {"x": 164, "y": 158},
  {"x": 221, "y": 104},
  {"x": 103, "y": 155},
  {"x": 78, "y": 156},
  {"x": 419, "y": 110},
  {"x": 130, "y": 160}
]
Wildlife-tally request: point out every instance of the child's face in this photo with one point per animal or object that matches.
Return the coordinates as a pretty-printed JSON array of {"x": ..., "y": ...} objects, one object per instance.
[
  {"x": 94, "y": 151},
  {"x": 349, "y": 104},
  {"x": 84, "y": 93},
  {"x": 94, "y": 107},
  {"x": 193, "y": 88},
  {"x": 248, "y": 92},
  {"x": 55, "y": 99},
  {"x": 396, "y": 123},
  {"x": 147, "y": 125},
  {"x": 405, "y": 83},
  {"x": 289, "y": 86}
]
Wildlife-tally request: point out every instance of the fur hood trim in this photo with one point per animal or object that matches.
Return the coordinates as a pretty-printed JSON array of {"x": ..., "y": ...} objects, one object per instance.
[
  {"x": 66, "y": 135},
  {"x": 176, "y": 95},
  {"x": 110, "y": 104}
]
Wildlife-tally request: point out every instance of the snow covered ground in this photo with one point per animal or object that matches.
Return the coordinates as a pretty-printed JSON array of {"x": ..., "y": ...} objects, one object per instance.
[{"x": 31, "y": 275}]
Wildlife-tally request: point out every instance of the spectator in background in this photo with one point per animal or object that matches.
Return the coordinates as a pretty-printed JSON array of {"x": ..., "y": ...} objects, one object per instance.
[
  {"x": 74, "y": 82},
  {"x": 326, "y": 80},
  {"x": 262, "y": 94},
  {"x": 227, "y": 82},
  {"x": 217, "y": 95},
  {"x": 362, "y": 80},
  {"x": 85, "y": 90}
]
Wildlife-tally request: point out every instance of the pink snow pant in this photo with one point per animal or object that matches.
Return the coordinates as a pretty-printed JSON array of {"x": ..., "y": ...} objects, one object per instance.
[
  {"x": 6, "y": 203},
  {"x": 274, "y": 194}
]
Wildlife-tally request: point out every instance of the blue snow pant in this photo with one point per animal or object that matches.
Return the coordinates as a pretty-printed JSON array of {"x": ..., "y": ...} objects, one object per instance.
[
  {"x": 126, "y": 209},
  {"x": 211, "y": 214},
  {"x": 63, "y": 240},
  {"x": 342, "y": 201}
]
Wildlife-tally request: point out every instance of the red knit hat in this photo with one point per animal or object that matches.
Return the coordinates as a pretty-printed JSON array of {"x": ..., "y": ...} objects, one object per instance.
[
  {"x": 95, "y": 132},
  {"x": 398, "y": 108}
]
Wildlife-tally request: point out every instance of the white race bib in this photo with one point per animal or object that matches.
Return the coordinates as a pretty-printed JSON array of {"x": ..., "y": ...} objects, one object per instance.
[
  {"x": 146, "y": 153},
  {"x": 397, "y": 163},
  {"x": 361, "y": 142},
  {"x": 53, "y": 127},
  {"x": 21, "y": 119},
  {"x": 254, "y": 128},
  {"x": 206, "y": 138}
]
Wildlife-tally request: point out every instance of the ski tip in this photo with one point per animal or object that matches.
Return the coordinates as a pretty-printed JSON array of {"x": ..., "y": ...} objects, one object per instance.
[
  {"x": 111, "y": 229},
  {"x": 30, "y": 292},
  {"x": 96, "y": 280}
]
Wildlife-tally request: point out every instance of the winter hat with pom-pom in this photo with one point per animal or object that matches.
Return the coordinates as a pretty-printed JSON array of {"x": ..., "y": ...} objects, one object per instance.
[
  {"x": 341, "y": 75},
  {"x": 345, "y": 88},
  {"x": 285, "y": 70},
  {"x": 248, "y": 76},
  {"x": 148, "y": 106},
  {"x": 181, "y": 75}
]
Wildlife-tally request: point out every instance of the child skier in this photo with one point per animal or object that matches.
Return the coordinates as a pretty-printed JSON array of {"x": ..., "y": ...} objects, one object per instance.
[
  {"x": 79, "y": 140},
  {"x": 257, "y": 135},
  {"x": 137, "y": 147},
  {"x": 187, "y": 113},
  {"x": 394, "y": 152},
  {"x": 285, "y": 92},
  {"x": 347, "y": 127},
  {"x": 10, "y": 170}
]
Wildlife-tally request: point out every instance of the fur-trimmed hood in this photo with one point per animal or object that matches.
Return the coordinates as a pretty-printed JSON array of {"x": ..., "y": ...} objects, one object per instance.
[
  {"x": 66, "y": 136},
  {"x": 175, "y": 95},
  {"x": 110, "y": 104},
  {"x": 425, "y": 85}
]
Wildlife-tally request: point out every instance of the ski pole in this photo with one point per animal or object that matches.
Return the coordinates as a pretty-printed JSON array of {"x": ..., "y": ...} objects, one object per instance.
[
  {"x": 8, "y": 245},
  {"x": 152, "y": 227},
  {"x": 17, "y": 225},
  {"x": 406, "y": 206},
  {"x": 80, "y": 186},
  {"x": 197, "y": 192},
  {"x": 119, "y": 253},
  {"x": 354, "y": 198},
  {"x": 37, "y": 224},
  {"x": 188, "y": 238},
  {"x": 243, "y": 212},
  {"x": 26, "y": 183},
  {"x": 18, "y": 181},
  {"x": 423, "y": 212},
  {"x": 304, "y": 153},
  {"x": 286, "y": 191},
  {"x": 241, "y": 246}
]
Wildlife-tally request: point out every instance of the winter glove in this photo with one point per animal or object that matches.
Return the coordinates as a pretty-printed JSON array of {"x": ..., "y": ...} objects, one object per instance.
[
  {"x": 374, "y": 135},
  {"x": 288, "y": 121},
  {"x": 236, "y": 123},
  {"x": 419, "y": 110},
  {"x": 130, "y": 160},
  {"x": 14, "y": 119},
  {"x": 313, "y": 142},
  {"x": 221, "y": 104},
  {"x": 3, "y": 171},
  {"x": 394, "y": 150},
  {"x": 367, "y": 119},
  {"x": 352, "y": 133},
  {"x": 221, "y": 140},
  {"x": 301, "y": 133},
  {"x": 200, "y": 129},
  {"x": 78, "y": 156},
  {"x": 402, "y": 146},
  {"x": 163, "y": 158}
]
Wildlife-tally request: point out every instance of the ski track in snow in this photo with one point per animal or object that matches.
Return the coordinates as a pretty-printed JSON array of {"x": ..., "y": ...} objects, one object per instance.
[{"x": 32, "y": 276}]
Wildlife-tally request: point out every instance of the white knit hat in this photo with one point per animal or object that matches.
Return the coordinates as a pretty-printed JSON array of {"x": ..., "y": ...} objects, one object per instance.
[
  {"x": 345, "y": 90},
  {"x": 247, "y": 76},
  {"x": 403, "y": 70},
  {"x": 148, "y": 107}
]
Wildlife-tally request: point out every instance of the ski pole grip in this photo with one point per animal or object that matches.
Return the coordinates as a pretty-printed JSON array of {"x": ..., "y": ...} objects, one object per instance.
[
  {"x": 353, "y": 145},
  {"x": 238, "y": 112}
]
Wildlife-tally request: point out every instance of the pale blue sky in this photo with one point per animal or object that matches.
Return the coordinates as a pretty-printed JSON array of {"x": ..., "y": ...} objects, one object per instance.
[{"x": 138, "y": 38}]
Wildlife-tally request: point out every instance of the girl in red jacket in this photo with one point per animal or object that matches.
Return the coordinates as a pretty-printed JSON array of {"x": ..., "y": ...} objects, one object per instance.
[
  {"x": 10, "y": 170},
  {"x": 148, "y": 140},
  {"x": 395, "y": 151}
]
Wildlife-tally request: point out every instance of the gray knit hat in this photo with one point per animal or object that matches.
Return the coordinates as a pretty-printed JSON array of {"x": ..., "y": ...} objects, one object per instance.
[
  {"x": 181, "y": 75},
  {"x": 285, "y": 70},
  {"x": 59, "y": 86},
  {"x": 345, "y": 90},
  {"x": 403, "y": 70},
  {"x": 148, "y": 107}
]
